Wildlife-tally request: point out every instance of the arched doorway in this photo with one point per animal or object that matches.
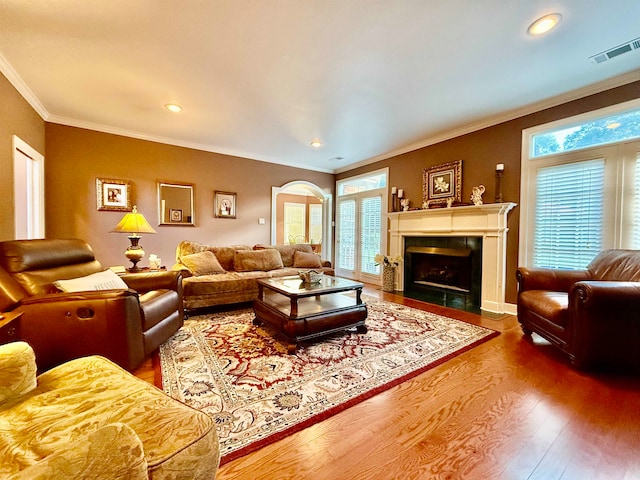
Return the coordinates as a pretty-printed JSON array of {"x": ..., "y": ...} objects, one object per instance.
[{"x": 316, "y": 205}]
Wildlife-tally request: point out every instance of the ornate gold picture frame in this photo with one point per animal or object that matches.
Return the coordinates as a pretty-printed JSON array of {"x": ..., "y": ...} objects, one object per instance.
[
  {"x": 224, "y": 204},
  {"x": 442, "y": 183},
  {"x": 113, "y": 195}
]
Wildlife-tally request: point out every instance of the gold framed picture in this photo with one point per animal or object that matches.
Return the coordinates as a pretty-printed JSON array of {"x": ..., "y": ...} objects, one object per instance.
[
  {"x": 442, "y": 182},
  {"x": 224, "y": 204},
  {"x": 113, "y": 195}
]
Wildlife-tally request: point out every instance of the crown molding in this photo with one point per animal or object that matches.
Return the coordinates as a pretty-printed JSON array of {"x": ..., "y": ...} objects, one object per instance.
[
  {"x": 567, "y": 97},
  {"x": 8, "y": 71},
  {"x": 70, "y": 122}
]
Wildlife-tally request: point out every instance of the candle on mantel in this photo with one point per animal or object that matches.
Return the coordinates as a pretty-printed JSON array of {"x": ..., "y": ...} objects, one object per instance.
[
  {"x": 393, "y": 190},
  {"x": 400, "y": 193},
  {"x": 500, "y": 167}
]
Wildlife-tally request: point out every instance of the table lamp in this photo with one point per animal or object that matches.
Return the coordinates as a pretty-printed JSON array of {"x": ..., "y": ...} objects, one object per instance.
[{"x": 134, "y": 223}]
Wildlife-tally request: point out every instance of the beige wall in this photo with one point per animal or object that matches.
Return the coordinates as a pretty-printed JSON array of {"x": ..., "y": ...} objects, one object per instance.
[
  {"x": 480, "y": 152},
  {"x": 76, "y": 157},
  {"x": 16, "y": 118}
]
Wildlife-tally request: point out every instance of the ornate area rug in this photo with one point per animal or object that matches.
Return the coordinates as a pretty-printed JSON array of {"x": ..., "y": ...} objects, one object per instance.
[{"x": 242, "y": 376}]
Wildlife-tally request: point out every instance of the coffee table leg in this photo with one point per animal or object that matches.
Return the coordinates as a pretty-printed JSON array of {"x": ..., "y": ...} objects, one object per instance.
[
  {"x": 362, "y": 329},
  {"x": 257, "y": 322}
]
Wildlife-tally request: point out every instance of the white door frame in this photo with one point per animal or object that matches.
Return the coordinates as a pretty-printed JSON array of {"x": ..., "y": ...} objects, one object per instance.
[{"x": 28, "y": 191}]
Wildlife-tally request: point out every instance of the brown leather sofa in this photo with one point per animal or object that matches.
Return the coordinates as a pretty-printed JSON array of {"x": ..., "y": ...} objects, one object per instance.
[
  {"x": 124, "y": 325},
  {"x": 593, "y": 315}
]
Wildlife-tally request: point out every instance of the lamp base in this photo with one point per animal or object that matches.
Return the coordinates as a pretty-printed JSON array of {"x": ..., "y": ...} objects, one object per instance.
[{"x": 134, "y": 253}]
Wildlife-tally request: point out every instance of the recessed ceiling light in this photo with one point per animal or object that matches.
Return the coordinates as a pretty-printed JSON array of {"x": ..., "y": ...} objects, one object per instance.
[
  {"x": 613, "y": 125},
  {"x": 316, "y": 143},
  {"x": 544, "y": 24},
  {"x": 172, "y": 107}
]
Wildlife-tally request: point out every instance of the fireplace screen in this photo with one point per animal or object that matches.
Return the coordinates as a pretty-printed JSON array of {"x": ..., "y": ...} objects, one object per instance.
[{"x": 446, "y": 271}]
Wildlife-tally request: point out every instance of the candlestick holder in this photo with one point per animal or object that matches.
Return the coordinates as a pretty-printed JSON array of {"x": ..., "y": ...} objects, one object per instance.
[
  {"x": 498, "y": 198},
  {"x": 394, "y": 202}
]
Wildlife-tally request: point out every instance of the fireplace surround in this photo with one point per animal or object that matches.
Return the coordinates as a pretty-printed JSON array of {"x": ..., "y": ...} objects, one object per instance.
[{"x": 487, "y": 222}]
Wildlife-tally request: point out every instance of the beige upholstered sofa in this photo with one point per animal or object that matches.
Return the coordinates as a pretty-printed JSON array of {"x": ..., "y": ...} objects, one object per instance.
[
  {"x": 229, "y": 274},
  {"x": 90, "y": 419}
]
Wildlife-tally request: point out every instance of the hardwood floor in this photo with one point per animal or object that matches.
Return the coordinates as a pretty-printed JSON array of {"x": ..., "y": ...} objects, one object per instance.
[{"x": 508, "y": 409}]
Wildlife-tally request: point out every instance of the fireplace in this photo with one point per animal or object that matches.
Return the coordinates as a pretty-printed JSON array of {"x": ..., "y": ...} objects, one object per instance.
[
  {"x": 444, "y": 270},
  {"x": 487, "y": 224}
]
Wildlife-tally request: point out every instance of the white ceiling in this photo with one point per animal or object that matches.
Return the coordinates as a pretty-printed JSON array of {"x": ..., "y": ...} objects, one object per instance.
[{"x": 262, "y": 78}]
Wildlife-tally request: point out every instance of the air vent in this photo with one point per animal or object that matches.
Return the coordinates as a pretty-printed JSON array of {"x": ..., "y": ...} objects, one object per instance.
[{"x": 616, "y": 51}]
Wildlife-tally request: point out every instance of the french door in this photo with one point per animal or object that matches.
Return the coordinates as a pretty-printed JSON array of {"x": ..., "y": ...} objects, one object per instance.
[{"x": 360, "y": 234}]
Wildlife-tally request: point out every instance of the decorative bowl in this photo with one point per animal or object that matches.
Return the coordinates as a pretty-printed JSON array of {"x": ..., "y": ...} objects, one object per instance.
[{"x": 311, "y": 276}]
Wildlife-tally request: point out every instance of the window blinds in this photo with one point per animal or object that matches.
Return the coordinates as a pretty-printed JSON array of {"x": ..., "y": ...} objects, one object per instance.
[
  {"x": 370, "y": 228},
  {"x": 569, "y": 214}
]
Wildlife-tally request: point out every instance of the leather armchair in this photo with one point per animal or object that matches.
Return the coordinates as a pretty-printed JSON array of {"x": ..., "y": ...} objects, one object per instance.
[
  {"x": 593, "y": 315},
  {"x": 125, "y": 326}
]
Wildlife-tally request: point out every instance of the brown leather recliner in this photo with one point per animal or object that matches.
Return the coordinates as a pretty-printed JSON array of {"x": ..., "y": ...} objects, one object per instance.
[
  {"x": 123, "y": 325},
  {"x": 593, "y": 315}
]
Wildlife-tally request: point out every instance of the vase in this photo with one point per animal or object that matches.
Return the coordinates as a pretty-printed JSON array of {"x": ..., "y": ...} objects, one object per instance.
[{"x": 388, "y": 278}]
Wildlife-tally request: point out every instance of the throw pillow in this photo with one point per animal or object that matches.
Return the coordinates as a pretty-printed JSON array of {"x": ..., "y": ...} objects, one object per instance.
[
  {"x": 257, "y": 260},
  {"x": 203, "y": 263},
  {"x": 225, "y": 255},
  {"x": 306, "y": 260},
  {"x": 17, "y": 370},
  {"x": 106, "y": 280}
]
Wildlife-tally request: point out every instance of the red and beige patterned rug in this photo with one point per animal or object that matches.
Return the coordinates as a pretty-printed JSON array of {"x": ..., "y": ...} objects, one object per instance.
[{"x": 241, "y": 375}]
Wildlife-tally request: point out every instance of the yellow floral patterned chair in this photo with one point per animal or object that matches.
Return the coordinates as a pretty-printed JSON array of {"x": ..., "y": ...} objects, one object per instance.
[{"x": 90, "y": 419}]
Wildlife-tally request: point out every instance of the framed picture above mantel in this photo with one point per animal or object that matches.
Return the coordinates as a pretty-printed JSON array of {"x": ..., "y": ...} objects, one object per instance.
[{"x": 442, "y": 184}]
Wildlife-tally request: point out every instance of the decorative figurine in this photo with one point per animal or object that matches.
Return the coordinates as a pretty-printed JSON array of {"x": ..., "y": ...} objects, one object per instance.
[
  {"x": 476, "y": 195},
  {"x": 405, "y": 204}
]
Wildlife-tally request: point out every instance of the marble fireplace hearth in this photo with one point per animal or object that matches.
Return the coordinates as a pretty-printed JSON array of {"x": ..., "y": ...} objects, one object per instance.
[{"x": 489, "y": 222}]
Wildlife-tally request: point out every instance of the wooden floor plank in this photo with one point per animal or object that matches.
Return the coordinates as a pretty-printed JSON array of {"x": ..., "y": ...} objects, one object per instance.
[{"x": 510, "y": 408}]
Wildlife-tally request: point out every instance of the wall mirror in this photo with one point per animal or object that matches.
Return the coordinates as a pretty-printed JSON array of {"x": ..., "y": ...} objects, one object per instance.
[
  {"x": 175, "y": 203},
  {"x": 301, "y": 212}
]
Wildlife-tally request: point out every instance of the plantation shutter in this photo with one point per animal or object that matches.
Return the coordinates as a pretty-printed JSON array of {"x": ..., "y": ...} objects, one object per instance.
[
  {"x": 370, "y": 228},
  {"x": 569, "y": 214},
  {"x": 346, "y": 234},
  {"x": 635, "y": 238}
]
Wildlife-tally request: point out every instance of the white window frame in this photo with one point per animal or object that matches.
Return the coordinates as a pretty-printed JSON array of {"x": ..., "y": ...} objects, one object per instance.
[
  {"x": 623, "y": 156},
  {"x": 358, "y": 196}
]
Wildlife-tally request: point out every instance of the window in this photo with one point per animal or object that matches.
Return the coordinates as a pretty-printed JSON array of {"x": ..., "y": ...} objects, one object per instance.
[
  {"x": 584, "y": 196},
  {"x": 294, "y": 222},
  {"x": 601, "y": 131},
  {"x": 568, "y": 231},
  {"x": 315, "y": 223}
]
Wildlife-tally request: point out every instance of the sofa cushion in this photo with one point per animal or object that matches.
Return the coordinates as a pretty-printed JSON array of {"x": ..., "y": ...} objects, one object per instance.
[
  {"x": 553, "y": 306},
  {"x": 106, "y": 280},
  {"x": 202, "y": 263},
  {"x": 616, "y": 265},
  {"x": 306, "y": 260},
  {"x": 223, "y": 254},
  {"x": 226, "y": 255},
  {"x": 114, "y": 452},
  {"x": 287, "y": 251},
  {"x": 257, "y": 260}
]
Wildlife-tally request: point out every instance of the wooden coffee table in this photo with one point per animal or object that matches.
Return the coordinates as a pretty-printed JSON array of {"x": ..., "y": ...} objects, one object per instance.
[{"x": 301, "y": 311}]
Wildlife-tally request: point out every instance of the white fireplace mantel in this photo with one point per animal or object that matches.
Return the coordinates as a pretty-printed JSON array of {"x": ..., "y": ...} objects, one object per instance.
[{"x": 487, "y": 221}]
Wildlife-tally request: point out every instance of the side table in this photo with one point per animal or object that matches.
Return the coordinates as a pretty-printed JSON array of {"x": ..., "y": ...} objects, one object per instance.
[{"x": 10, "y": 327}]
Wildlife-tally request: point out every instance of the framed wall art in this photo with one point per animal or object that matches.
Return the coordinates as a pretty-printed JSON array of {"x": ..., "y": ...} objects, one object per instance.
[
  {"x": 113, "y": 195},
  {"x": 175, "y": 215},
  {"x": 442, "y": 184},
  {"x": 224, "y": 204}
]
